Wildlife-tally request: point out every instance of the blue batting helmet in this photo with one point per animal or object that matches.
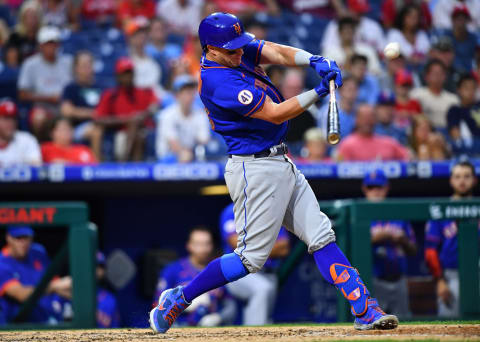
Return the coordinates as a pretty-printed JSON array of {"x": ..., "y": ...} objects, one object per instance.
[{"x": 223, "y": 30}]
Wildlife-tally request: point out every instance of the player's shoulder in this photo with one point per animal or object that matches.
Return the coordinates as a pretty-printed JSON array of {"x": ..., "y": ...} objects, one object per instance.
[{"x": 38, "y": 250}]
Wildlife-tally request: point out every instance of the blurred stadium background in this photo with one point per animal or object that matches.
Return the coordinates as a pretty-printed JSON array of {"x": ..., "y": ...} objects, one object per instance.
[{"x": 143, "y": 196}]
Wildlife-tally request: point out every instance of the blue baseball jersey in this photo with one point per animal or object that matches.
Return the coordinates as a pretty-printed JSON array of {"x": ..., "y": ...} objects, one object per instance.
[
  {"x": 27, "y": 272},
  {"x": 182, "y": 272},
  {"x": 227, "y": 229},
  {"x": 107, "y": 309},
  {"x": 389, "y": 259},
  {"x": 442, "y": 235},
  {"x": 232, "y": 95}
]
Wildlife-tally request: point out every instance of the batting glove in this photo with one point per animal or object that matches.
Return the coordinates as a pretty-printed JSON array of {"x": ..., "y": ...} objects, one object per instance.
[
  {"x": 323, "y": 88},
  {"x": 323, "y": 66}
]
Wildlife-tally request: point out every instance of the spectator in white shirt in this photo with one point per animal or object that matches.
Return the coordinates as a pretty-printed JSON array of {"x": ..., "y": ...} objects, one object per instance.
[
  {"x": 414, "y": 42},
  {"x": 16, "y": 148},
  {"x": 368, "y": 32},
  {"x": 147, "y": 71},
  {"x": 183, "y": 16},
  {"x": 435, "y": 101},
  {"x": 182, "y": 126},
  {"x": 43, "y": 77},
  {"x": 342, "y": 53}
]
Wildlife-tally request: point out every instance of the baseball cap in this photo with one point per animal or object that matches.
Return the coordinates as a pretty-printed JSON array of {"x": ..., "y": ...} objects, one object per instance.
[
  {"x": 8, "y": 108},
  {"x": 461, "y": 9},
  {"x": 443, "y": 43},
  {"x": 375, "y": 178},
  {"x": 135, "y": 25},
  {"x": 359, "y": 6},
  {"x": 183, "y": 81},
  {"x": 123, "y": 64},
  {"x": 17, "y": 231},
  {"x": 386, "y": 98},
  {"x": 403, "y": 77},
  {"x": 48, "y": 34}
]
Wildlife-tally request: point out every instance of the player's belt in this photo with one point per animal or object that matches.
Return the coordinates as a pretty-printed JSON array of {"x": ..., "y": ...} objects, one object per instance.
[{"x": 276, "y": 150}]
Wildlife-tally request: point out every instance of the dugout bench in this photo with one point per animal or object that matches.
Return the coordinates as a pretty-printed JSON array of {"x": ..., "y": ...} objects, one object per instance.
[
  {"x": 351, "y": 221},
  {"x": 79, "y": 248}
]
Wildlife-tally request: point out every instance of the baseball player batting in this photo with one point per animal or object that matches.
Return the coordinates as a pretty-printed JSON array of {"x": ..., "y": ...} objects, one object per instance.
[{"x": 267, "y": 189}]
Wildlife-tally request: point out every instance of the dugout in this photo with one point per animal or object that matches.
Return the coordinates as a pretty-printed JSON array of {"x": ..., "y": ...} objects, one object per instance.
[{"x": 79, "y": 249}]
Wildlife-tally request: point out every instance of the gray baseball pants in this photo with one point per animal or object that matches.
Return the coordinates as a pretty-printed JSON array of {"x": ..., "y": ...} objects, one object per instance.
[
  {"x": 392, "y": 296},
  {"x": 269, "y": 193}
]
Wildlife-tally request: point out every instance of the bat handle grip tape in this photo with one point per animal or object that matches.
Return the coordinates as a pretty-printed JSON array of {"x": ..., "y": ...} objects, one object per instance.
[{"x": 332, "y": 90}]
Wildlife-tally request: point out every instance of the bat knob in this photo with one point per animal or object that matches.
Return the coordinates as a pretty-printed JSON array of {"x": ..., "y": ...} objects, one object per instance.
[{"x": 333, "y": 138}]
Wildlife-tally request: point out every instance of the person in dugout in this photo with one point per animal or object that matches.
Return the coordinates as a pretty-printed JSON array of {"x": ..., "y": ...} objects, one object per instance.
[
  {"x": 392, "y": 242},
  {"x": 22, "y": 265},
  {"x": 441, "y": 244},
  {"x": 210, "y": 309}
]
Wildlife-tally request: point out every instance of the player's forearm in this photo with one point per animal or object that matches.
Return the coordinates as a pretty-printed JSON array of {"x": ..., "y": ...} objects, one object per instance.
[
  {"x": 70, "y": 111},
  {"x": 19, "y": 292},
  {"x": 278, "y": 113}
]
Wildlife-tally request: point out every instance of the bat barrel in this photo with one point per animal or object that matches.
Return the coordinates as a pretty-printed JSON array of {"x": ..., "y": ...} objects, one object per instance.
[{"x": 333, "y": 125}]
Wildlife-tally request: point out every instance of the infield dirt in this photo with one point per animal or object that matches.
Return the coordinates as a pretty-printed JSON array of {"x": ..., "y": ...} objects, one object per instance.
[{"x": 470, "y": 332}]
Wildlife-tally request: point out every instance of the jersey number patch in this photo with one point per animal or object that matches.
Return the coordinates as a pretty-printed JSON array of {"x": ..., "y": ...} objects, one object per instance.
[{"x": 245, "y": 97}]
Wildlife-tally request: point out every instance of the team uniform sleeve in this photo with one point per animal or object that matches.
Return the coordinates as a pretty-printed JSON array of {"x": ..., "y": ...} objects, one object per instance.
[
  {"x": 240, "y": 97},
  {"x": 433, "y": 234},
  {"x": 253, "y": 51},
  {"x": 7, "y": 277}
]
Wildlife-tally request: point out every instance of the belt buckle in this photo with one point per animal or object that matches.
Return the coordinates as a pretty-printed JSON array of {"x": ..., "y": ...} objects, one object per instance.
[{"x": 273, "y": 151}]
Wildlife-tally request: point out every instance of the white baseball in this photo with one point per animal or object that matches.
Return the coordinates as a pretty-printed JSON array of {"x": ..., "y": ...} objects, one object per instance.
[{"x": 392, "y": 50}]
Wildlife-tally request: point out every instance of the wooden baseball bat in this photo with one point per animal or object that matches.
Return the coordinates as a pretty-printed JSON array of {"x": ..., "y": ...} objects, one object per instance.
[{"x": 333, "y": 125}]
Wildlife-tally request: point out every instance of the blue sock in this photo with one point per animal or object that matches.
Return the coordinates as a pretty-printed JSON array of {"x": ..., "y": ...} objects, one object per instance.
[
  {"x": 327, "y": 256},
  {"x": 217, "y": 273}
]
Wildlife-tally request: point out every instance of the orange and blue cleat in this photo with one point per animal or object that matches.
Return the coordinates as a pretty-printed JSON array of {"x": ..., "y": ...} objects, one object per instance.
[{"x": 170, "y": 305}]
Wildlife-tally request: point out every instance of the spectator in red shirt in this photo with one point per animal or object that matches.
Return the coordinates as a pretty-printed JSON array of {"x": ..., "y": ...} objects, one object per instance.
[
  {"x": 61, "y": 150},
  {"x": 405, "y": 107},
  {"x": 364, "y": 145},
  {"x": 130, "y": 9},
  {"x": 126, "y": 111},
  {"x": 99, "y": 10}
]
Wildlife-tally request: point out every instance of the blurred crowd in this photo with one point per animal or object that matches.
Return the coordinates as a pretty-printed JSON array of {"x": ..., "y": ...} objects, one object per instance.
[{"x": 86, "y": 81}]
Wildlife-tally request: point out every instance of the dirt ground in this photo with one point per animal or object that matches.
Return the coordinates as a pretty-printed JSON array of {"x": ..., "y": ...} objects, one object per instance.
[{"x": 462, "y": 332}]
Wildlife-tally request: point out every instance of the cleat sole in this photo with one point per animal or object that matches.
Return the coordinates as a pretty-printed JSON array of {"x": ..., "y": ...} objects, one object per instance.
[{"x": 386, "y": 322}]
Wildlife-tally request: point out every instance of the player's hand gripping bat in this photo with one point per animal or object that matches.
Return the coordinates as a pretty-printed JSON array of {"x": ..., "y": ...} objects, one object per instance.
[{"x": 333, "y": 125}]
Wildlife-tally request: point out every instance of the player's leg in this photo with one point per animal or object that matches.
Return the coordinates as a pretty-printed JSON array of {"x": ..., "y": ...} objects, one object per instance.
[
  {"x": 400, "y": 299},
  {"x": 256, "y": 187},
  {"x": 451, "y": 309},
  {"x": 304, "y": 219},
  {"x": 382, "y": 293}
]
